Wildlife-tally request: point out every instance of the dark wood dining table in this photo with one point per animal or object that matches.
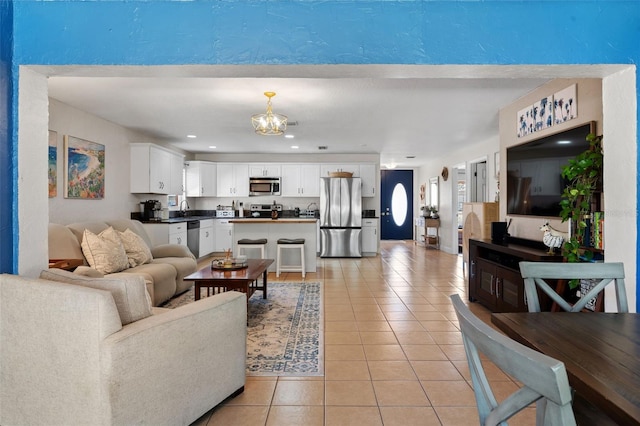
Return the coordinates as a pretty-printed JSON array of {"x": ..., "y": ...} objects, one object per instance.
[{"x": 601, "y": 352}]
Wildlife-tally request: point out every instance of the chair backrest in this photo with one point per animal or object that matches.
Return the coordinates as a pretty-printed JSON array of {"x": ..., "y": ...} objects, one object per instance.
[
  {"x": 535, "y": 274},
  {"x": 544, "y": 379}
]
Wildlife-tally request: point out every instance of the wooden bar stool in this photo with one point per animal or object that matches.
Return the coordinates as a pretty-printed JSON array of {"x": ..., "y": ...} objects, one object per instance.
[
  {"x": 286, "y": 243},
  {"x": 247, "y": 243}
]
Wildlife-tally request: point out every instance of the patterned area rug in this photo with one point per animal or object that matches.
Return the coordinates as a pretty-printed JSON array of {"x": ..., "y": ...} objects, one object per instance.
[{"x": 284, "y": 332}]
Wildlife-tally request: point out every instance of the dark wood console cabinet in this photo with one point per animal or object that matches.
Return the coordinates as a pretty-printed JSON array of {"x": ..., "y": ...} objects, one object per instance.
[{"x": 494, "y": 274}]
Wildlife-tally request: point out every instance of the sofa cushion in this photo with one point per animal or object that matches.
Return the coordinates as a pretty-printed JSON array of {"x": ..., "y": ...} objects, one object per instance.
[
  {"x": 129, "y": 292},
  {"x": 105, "y": 251},
  {"x": 136, "y": 248}
]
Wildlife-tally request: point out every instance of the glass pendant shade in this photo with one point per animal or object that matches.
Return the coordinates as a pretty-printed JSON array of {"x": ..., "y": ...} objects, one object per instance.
[{"x": 269, "y": 123}]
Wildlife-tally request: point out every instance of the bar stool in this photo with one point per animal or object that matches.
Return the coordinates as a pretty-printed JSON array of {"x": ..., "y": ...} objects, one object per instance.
[
  {"x": 286, "y": 243},
  {"x": 247, "y": 243}
]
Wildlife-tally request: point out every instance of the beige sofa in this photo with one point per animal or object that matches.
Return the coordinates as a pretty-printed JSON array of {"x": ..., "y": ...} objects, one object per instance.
[
  {"x": 66, "y": 358},
  {"x": 164, "y": 275}
]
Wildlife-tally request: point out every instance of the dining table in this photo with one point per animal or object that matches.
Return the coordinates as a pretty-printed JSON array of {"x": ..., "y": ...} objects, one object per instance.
[{"x": 601, "y": 353}]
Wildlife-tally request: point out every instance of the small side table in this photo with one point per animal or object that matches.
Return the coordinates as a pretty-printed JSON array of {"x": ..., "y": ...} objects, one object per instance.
[
  {"x": 66, "y": 264},
  {"x": 431, "y": 239}
]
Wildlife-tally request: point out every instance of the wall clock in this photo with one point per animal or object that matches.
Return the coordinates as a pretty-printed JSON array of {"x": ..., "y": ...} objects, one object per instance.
[{"x": 445, "y": 173}]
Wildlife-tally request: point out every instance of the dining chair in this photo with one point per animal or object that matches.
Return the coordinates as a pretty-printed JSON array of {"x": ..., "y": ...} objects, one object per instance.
[
  {"x": 544, "y": 379},
  {"x": 535, "y": 274}
]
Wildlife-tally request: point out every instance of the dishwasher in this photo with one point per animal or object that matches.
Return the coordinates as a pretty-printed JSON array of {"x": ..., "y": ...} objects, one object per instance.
[{"x": 193, "y": 237}]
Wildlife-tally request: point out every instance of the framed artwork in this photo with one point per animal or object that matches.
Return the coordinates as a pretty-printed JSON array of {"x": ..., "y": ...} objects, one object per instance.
[
  {"x": 543, "y": 113},
  {"x": 496, "y": 164},
  {"x": 525, "y": 122},
  {"x": 565, "y": 105},
  {"x": 83, "y": 169},
  {"x": 53, "y": 164}
]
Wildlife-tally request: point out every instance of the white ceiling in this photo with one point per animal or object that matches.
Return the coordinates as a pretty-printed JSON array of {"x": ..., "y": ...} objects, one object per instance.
[{"x": 396, "y": 111}]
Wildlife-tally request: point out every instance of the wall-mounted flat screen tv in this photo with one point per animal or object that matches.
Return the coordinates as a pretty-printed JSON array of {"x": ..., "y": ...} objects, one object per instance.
[{"x": 534, "y": 171}]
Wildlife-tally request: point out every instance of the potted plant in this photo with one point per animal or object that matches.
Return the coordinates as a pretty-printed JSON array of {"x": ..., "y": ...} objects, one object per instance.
[{"x": 584, "y": 176}]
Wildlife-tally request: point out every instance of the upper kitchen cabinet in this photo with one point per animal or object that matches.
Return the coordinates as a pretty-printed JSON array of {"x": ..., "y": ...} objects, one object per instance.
[
  {"x": 325, "y": 169},
  {"x": 264, "y": 170},
  {"x": 155, "y": 169},
  {"x": 233, "y": 180},
  {"x": 368, "y": 176},
  {"x": 300, "y": 180},
  {"x": 200, "y": 179}
]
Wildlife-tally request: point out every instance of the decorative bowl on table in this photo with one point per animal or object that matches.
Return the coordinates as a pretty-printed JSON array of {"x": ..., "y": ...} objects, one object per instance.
[{"x": 229, "y": 263}]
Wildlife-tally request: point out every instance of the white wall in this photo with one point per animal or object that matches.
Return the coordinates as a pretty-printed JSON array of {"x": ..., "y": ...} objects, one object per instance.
[
  {"x": 448, "y": 224},
  {"x": 118, "y": 202}
]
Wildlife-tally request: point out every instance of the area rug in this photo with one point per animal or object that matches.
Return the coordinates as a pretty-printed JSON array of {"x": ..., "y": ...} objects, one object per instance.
[{"x": 284, "y": 332}]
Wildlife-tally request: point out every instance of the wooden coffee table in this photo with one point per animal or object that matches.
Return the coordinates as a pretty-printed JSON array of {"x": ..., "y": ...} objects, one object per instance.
[{"x": 244, "y": 280}]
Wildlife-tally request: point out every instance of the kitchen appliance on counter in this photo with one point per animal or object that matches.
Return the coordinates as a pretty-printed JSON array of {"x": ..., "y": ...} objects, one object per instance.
[
  {"x": 151, "y": 210},
  {"x": 264, "y": 210},
  {"x": 225, "y": 211},
  {"x": 341, "y": 217},
  {"x": 264, "y": 186}
]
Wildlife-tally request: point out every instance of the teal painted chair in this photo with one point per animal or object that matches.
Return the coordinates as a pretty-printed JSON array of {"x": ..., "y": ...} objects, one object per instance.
[
  {"x": 544, "y": 379},
  {"x": 535, "y": 274}
]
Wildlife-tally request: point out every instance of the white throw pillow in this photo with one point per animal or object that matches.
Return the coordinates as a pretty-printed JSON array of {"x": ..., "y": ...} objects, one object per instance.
[
  {"x": 104, "y": 251},
  {"x": 137, "y": 250},
  {"x": 129, "y": 292}
]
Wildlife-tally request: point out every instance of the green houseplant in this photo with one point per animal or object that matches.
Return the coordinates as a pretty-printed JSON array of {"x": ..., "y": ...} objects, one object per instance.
[{"x": 584, "y": 176}]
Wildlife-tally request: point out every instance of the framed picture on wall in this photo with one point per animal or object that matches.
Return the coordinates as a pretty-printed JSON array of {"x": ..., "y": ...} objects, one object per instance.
[
  {"x": 565, "y": 105},
  {"x": 53, "y": 164},
  {"x": 83, "y": 169}
]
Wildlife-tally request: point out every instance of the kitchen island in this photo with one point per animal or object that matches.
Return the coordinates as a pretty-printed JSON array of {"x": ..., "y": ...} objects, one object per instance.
[{"x": 273, "y": 229}]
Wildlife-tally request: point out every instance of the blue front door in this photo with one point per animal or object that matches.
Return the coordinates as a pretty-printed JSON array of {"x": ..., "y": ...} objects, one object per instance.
[{"x": 396, "y": 204}]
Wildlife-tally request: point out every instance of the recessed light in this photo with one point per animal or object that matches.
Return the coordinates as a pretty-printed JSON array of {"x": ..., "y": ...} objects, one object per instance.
[
  {"x": 191, "y": 136},
  {"x": 289, "y": 136},
  {"x": 564, "y": 142},
  {"x": 212, "y": 147},
  {"x": 294, "y": 147}
]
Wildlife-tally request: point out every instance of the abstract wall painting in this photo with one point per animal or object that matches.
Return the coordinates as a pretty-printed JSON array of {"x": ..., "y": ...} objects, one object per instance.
[
  {"x": 53, "y": 164},
  {"x": 565, "y": 105},
  {"x": 84, "y": 169},
  {"x": 543, "y": 113},
  {"x": 525, "y": 122}
]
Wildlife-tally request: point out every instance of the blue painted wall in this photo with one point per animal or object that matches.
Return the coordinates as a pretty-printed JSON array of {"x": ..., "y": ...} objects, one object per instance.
[
  {"x": 9, "y": 240},
  {"x": 309, "y": 32}
]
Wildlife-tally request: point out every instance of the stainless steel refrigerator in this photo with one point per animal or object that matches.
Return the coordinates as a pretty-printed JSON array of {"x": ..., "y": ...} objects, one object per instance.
[{"x": 341, "y": 217}]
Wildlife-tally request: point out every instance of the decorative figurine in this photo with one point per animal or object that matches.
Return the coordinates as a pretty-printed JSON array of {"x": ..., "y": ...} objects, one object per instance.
[{"x": 553, "y": 238}]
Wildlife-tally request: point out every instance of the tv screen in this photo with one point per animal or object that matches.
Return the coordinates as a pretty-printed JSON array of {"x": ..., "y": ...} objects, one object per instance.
[{"x": 534, "y": 171}]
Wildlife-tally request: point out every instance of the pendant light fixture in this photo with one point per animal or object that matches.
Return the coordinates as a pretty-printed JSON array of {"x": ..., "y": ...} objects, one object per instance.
[{"x": 269, "y": 123}]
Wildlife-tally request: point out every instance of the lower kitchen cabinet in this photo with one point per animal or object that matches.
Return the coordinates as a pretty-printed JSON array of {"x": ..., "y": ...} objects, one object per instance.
[
  {"x": 223, "y": 235},
  {"x": 369, "y": 237},
  {"x": 494, "y": 273},
  {"x": 206, "y": 243},
  {"x": 167, "y": 233}
]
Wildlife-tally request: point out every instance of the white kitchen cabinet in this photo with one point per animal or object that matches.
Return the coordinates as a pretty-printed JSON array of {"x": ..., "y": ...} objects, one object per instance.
[
  {"x": 325, "y": 169},
  {"x": 264, "y": 170},
  {"x": 206, "y": 237},
  {"x": 155, "y": 169},
  {"x": 178, "y": 233},
  {"x": 369, "y": 237},
  {"x": 167, "y": 233},
  {"x": 223, "y": 235},
  {"x": 368, "y": 176},
  {"x": 300, "y": 180},
  {"x": 232, "y": 180},
  {"x": 176, "y": 166},
  {"x": 200, "y": 177}
]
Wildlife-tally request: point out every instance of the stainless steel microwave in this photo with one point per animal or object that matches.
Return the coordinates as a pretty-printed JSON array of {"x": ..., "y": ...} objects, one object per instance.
[{"x": 264, "y": 186}]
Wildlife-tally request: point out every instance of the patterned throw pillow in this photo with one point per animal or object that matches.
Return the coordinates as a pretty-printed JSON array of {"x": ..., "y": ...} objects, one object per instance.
[
  {"x": 137, "y": 250},
  {"x": 104, "y": 251},
  {"x": 129, "y": 291}
]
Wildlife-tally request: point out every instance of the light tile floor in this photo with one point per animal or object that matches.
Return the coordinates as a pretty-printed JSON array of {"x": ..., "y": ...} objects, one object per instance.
[{"x": 393, "y": 351}]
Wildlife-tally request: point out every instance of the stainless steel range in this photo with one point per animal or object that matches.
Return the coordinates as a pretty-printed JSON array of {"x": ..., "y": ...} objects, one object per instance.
[{"x": 264, "y": 210}]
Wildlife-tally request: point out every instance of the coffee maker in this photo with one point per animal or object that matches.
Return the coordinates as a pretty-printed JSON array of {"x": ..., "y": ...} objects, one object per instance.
[{"x": 151, "y": 210}]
